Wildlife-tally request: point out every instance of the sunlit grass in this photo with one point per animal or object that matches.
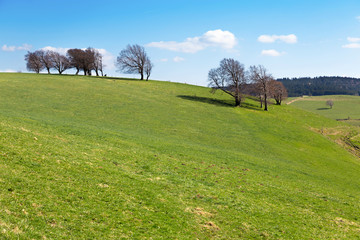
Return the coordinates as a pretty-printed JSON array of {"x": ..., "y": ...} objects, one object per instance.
[{"x": 100, "y": 158}]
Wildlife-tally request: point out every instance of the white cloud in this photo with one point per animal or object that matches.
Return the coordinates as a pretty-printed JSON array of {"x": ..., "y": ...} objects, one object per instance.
[
  {"x": 59, "y": 50},
  {"x": 351, "y": 45},
  {"x": 25, "y": 47},
  {"x": 108, "y": 58},
  {"x": 352, "y": 39},
  {"x": 272, "y": 53},
  {"x": 8, "y": 71},
  {"x": 215, "y": 38},
  {"x": 291, "y": 38},
  {"x": 178, "y": 59}
]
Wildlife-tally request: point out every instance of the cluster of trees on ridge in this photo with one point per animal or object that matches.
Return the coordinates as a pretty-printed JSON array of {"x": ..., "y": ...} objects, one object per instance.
[
  {"x": 321, "y": 86},
  {"x": 232, "y": 78},
  {"x": 133, "y": 59},
  {"x": 85, "y": 60}
]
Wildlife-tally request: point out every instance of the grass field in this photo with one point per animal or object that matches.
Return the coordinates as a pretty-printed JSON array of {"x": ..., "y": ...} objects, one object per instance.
[
  {"x": 345, "y": 107},
  {"x": 101, "y": 158}
]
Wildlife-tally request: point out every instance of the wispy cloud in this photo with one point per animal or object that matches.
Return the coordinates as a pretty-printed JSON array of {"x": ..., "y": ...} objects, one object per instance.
[
  {"x": 272, "y": 53},
  {"x": 352, "y": 39},
  {"x": 358, "y": 18},
  {"x": 178, "y": 59},
  {"x": 353, "y": 43},
  {"x": 8, "y": 70},
  {"x": 215, "y": 38},
  {"x": 55, "y": 49},
  {"x": 7, "y": 48},
  {"x": 108, "y": 58},
  {"x": 290, "y": 39}
]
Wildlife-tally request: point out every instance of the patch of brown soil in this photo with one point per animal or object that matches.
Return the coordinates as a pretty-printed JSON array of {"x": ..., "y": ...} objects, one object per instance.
[{"x": 211, "y": 226}]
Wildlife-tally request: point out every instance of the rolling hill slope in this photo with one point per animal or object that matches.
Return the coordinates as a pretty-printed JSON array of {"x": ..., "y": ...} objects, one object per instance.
[
  {"x": 345, "y": 107},
  {"x": 101, "y": 158}
]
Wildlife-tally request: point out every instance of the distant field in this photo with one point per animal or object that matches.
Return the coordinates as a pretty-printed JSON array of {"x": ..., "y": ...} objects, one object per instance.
[
  {"x": 345, "y": 107},
  {"x": 105, "y": 158}
]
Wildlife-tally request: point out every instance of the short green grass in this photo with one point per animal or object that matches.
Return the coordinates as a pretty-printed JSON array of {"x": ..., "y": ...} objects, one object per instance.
[
  {"x": 345, "y": 107},
  {"x": 100, "y": 158}
]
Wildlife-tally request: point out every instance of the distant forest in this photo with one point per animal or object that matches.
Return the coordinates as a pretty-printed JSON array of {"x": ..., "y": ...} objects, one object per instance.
[{"x": 321, "y": 86}]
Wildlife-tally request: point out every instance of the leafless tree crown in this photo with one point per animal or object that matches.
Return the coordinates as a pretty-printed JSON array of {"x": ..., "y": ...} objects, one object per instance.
[
  {"x": 45, "y": 57},
  {"x": 261, "y": 78},
  {"x": 59, "y": 61},
  {"x": 133, "y": 59},
  {"x": 330, "y": 103},
  {"x": 278, "y": 91},
  {"x": 86, "y": 60},
  {"x": 228, "y": 77},
  {"x": 33, "y": 62}
]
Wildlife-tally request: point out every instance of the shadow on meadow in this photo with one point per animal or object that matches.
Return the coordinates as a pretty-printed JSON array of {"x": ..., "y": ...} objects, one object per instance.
[
  {"x": 323, "y": 108},
  {"x": 218, "y": 102},
  {"x": 224, "y": 103},
  {"x": 118, "y": 78}
]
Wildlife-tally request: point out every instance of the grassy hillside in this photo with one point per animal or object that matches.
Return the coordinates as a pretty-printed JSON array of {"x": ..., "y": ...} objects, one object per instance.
[
  {"x": 100, "y": 158},
  {"x": 345, "y": 107}
]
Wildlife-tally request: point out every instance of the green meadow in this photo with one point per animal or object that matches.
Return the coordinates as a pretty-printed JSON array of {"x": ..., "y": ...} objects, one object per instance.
[
  {"x": 345, "y": 107},
  {"x": 108, "y": 158}
]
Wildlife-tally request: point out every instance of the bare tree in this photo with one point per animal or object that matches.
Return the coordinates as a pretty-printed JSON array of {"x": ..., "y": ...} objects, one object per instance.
[
  {"x": 85, "y": 60},
  {"x": 45, "y": 57},
  {"x": 262, "y": 79},
  {"x": 89, "y": 61},
  {"x": 148, "y": 69},
  {"x": 330, "y": 103},
  {"x": 75, "y": 57},
  {"x": 60, "y": 62},
  {"x": 278, "y": 91},
  {"x": 98, "y": 63},
  {"x": 229, "y": 77},
  {"x": 133, "y": 59},
  {"x": 33, "y": 62}
]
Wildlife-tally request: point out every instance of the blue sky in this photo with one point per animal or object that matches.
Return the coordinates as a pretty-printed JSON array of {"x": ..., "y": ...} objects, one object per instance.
[{"x": 185, "y": 39}]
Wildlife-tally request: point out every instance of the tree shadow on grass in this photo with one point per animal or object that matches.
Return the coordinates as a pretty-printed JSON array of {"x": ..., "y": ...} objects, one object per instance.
[
  {"x": 118, "y": 78},
  {"x": 251, "y": 106},
  {"x": 213, "y": 101},
  {"x": 217, "y": 102},
  {"x": 323, "y": 108}
]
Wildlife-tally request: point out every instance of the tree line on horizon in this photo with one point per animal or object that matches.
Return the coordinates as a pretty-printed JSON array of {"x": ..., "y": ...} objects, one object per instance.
[
  {"x": 85, "y": 60},
  {"x": 132, "y": 59},
  {"x": 319, "y": 86}
]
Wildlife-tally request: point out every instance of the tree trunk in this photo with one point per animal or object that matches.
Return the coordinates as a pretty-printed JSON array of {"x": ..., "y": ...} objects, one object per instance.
[
  {"x": 261, "y": 102},
  {"x": 48, "y": 69},
  {"x": 237, "y": 100},
  {"x": 97, "y": 72},
  {"x": 265, "y": 102},
  {"x": 142, "y": 76},
  {"x": 77, "y": 71}
]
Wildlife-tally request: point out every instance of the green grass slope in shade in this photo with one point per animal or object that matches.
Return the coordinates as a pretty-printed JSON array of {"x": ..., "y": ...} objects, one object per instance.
[{"x": 97, "y": 158}]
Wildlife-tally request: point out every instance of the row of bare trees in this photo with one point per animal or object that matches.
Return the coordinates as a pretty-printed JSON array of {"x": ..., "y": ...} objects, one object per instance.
[
  {"x": 133, "y": 59},
  {"x": 86, "y": 60},
  {"x": 232, "y": 78}
]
